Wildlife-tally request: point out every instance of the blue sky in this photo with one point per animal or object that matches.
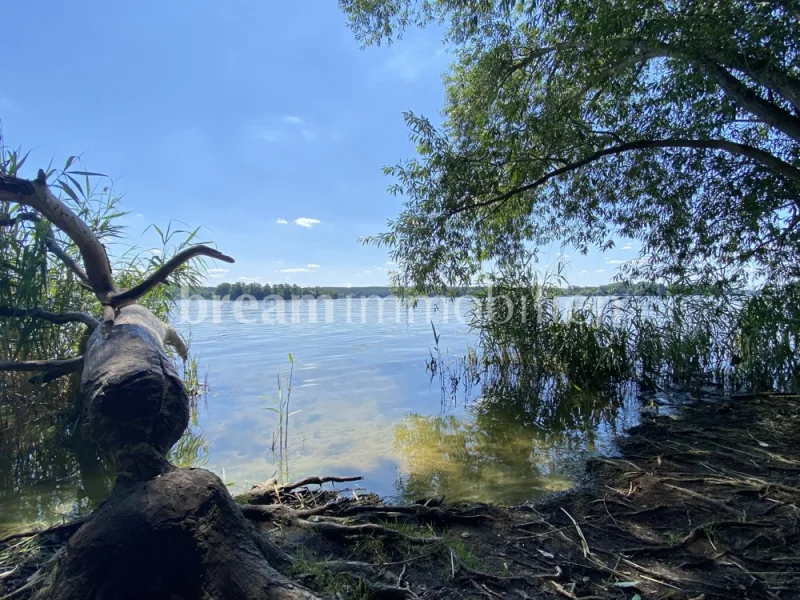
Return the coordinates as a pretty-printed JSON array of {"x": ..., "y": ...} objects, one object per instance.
[{"x": 264, "y": 122}]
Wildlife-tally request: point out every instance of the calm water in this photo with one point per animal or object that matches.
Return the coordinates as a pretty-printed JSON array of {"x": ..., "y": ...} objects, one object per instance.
[{"x": 367, "y": 406}]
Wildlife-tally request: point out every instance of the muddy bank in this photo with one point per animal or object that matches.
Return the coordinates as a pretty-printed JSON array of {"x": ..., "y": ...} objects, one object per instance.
[{"x": 701, "y": 504}]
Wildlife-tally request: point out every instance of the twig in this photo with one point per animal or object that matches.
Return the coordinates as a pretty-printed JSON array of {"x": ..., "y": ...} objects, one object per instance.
[
  {"x": 695, "y": 533},
  {"x": 328, "y": 528},
  {"x": 58, "y": 318},
  {"x": 317, "y": 481},
  {"x": 561, "y": 590},
  {"x": 481, "y": 575},
  {"x": 586, "y": 550},
  {"x": 693, "y": 494}
]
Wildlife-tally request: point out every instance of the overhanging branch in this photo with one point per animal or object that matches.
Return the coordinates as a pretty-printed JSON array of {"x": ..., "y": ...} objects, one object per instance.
[
  {"x": 7, "y": 220},
  {"x": 160, "y": 276},
  {"x": 55, "y": 367},
  {"x": 718, "y": 66},
  {"x": 58, "y": 318},
  {"x": 51, "y": 243},
  {"x": 764, "y": 158}
]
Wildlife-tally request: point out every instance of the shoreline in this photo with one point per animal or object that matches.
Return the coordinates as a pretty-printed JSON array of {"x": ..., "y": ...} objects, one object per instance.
[{"x": 701, "y": 503}]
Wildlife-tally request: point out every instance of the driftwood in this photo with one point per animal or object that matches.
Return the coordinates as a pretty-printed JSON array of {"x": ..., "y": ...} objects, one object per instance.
[{"x": 163, "y": 532}]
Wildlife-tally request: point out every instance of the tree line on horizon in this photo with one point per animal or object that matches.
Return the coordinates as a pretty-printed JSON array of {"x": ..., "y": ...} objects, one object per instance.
[{"x": 290, "y": 291}]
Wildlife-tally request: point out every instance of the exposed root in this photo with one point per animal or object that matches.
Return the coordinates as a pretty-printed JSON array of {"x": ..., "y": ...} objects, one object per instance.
[{"x": 369, "y": 529}]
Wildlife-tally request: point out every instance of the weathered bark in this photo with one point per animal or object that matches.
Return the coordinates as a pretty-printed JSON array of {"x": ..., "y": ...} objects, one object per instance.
[
  {"x": 180, "y": 535},
  {"x": 131, "y": 395}
]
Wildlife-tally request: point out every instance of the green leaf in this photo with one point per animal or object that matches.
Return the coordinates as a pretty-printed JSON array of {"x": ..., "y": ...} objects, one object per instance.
[
  {"x": 291, "y": 358},
  {"x": 69, "y": 191},
  {"x": 88, "y": 173}
]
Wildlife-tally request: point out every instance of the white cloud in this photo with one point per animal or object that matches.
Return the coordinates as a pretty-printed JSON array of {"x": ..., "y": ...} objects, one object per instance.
[
  {"x": 296, "y": 270},
  {"x": 312, "y": 266},
  {"x": 294, "y": 120},
  {"x": 627, "y": 247},
  {"x": 249, "y": 279},
  {"x": 584, "y": 271},
  {"x": 390, "y": 263},
  {"x": 379, "y": 268},
  {"x": 217, "y": 273},
  {"x": 155, "y": 251},
  {"x": 139, "y": 215},
  {"x": 306, "y": 222},
  {"x": 600, "y": 271},
  {"x": 282, "y": 221},
  {"x": 367, "y": 271},
  {"x": 614, "y": 262}
]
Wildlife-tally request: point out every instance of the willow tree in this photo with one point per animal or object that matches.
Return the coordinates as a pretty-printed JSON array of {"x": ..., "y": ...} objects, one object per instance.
[{"x": 673, "y": 123}]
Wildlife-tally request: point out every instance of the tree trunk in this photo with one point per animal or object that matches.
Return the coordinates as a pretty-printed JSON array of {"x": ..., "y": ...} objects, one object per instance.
[
  {"x": 131, "y": 396},
  {"x": 163, "y": 532},
  {"x": 177, "y": 536}
]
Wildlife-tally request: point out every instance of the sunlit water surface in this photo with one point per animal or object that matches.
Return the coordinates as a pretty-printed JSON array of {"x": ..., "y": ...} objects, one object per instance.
[{"x": 365, "y": 404}]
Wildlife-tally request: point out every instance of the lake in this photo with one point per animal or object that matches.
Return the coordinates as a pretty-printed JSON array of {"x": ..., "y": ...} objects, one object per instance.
[{"x": 366, "y": 405}]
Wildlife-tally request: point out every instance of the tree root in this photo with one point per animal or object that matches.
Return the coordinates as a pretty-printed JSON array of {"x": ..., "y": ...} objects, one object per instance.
[
  {"x": 63, "y": 529},
  {"x": 343, "y": 531}
]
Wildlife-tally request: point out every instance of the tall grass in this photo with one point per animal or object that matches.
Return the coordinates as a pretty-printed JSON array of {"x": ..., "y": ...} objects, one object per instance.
[
  {"x": 529, "y": 338},
  {"x": 281, "y": 407}
]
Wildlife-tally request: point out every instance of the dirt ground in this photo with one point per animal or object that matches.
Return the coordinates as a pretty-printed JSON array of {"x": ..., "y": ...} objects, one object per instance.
[{"x": 701, "y": 504}]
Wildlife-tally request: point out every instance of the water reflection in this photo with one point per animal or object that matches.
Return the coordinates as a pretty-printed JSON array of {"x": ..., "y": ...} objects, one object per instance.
[
  {"x": 509, "y": 450},
  {"x": 355, "y": 383},
  {"x": 48, "y": 476}
]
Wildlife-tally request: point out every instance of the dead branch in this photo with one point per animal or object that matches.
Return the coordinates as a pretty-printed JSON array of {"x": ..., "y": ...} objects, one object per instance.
[
  {"x": 482, "y": 576},
  {"x": 58, "y": 366},
  {"x": 49, "y": 240},
  {"x": 719, "y": 504},
  {"x": 7, "y": 220},
  {"x": 336, "y": 530},
  {"x": 270, "y": 512},
  {"x": 58, "y": 318},
  {"x": 120, "y": 299},
  {"x": 417, "y": 511},
  {"x": 37, "y": 195},
  {"x": 288, "y": 487},
  {"x": 71, "y": 264},
  {"x": 694, "y": 534}
]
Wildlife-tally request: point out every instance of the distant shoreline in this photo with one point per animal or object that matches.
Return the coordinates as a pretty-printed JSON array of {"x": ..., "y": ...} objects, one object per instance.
[{"x": 288, "y": 292}]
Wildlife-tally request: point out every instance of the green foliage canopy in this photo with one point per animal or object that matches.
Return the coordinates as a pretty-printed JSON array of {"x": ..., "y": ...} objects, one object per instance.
[{"x": 673, "y": 123}]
